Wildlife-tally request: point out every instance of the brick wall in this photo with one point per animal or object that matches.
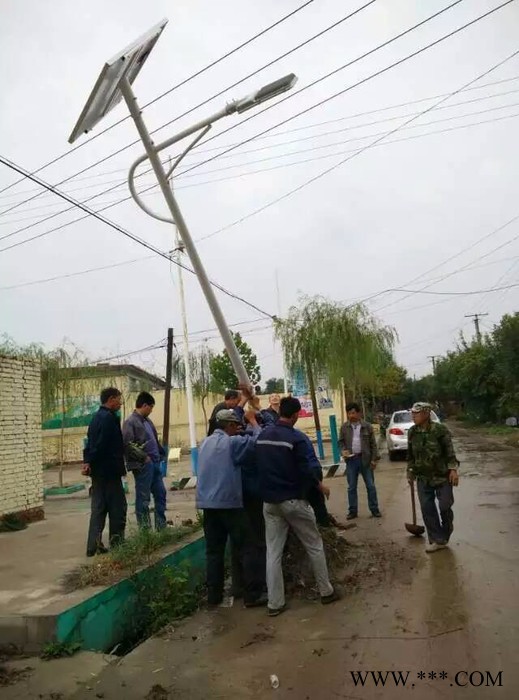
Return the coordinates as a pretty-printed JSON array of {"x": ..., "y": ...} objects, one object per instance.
[{"x": 21, "y": 475}]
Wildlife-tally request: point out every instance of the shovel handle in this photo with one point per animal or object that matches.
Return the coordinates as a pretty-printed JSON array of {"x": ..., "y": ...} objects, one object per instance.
[{"x": 413, "y": 504}]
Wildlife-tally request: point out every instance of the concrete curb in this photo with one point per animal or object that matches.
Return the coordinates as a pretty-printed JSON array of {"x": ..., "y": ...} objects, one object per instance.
[{"x": 189, "y": 482}]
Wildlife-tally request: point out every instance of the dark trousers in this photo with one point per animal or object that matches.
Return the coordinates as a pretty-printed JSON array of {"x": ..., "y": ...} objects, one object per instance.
[
  {"x": 354, "y": 468},
  {"x": 249, "y": 568},
  {"x": 440, "y": 525},
  {"x": 220, "y": 525},
  {"x": 318, "y": 502},
  {"x": 149, "y": 482},
  {"x": 107, "y": 498}
]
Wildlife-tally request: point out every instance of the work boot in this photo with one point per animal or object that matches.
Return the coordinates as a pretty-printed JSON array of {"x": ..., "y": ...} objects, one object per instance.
[
  {"x": 351, "y": 516},
  {"x": 332, "y": 598},
  {"x": 434, "y": 547},
  {"x": 100, "y": 549},
  {"x": 274, "y": 612},
  {"x": 258, "y": 602}
]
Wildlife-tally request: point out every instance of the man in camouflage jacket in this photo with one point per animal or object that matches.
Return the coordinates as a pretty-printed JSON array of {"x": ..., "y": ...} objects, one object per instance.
[{"x": 433, "y": 464}]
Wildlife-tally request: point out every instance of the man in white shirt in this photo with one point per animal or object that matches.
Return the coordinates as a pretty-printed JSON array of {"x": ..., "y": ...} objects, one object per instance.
[{"x": 360, "y": 452}]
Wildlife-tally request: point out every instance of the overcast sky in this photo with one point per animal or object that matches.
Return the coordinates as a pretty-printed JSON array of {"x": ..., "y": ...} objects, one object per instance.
[{"x": 382, "y": 220}]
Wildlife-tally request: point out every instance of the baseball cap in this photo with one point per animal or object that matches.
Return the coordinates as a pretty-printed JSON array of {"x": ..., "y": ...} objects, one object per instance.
[
  {"x": 227, "y": 415},
  {"x": 421, "y": 407}
]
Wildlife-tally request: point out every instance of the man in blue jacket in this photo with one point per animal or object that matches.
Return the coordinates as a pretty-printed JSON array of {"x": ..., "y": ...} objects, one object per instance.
[
  {"x": 285, "y": 477},
  {"x": 138, "y": 429},
  {"x": 103, "y": 459},
  {"x": 219, "y": 494}
]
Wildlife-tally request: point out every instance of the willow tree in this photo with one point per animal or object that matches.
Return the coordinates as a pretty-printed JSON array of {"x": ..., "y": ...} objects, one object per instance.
[
  {"x": 346, "y": 343},
  {"x": 200, "y": 362}
]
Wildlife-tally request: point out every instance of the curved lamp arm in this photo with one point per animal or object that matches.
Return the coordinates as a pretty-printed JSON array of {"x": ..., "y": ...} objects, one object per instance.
[{"x": 141, "y": 159}]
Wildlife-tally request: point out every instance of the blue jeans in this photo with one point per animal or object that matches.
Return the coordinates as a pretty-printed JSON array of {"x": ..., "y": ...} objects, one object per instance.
[
  {"x": 354, "y": 467},
  {"x": 148, "y": 482}
]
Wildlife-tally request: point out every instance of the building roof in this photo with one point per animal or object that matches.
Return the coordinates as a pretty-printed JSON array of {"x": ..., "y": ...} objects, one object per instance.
[{"x": 133, "y": 371}]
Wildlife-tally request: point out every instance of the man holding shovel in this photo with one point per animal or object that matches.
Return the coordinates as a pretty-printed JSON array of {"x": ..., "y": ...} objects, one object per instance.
[{"x": 432, "y": 463}]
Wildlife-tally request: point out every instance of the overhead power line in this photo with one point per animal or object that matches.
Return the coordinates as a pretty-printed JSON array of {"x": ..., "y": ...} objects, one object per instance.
[
  {"x": 288, "y": 154},
  {"x": 299, "y": 128},
  {"x": 451, "y": 294},
  {"x": 168, "y": 92},
  {"x": 320, "y": 103},
  {"x": 373, "y": 143},
  {"x": 377, "y": 140},
  {"x": 200, "y": 104},
  {"x": 124, "y": 231}
]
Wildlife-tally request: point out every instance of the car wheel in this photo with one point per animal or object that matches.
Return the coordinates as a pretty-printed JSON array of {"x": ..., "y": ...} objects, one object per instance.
[{"x": 393, "y": 456}]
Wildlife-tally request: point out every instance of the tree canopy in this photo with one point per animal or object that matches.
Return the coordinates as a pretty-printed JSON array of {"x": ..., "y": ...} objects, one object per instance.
[
  {"x": 223, "y": 376},
  {"x": 481, "y": 377},
  {"x": 346, "y": 343}
]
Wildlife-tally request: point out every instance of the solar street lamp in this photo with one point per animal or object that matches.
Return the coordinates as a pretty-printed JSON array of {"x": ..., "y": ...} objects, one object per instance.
[{"x": 115, "y": 84}]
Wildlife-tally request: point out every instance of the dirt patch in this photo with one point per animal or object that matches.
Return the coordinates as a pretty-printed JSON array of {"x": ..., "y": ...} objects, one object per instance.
[
  {"x": 258, "y": 638},
  {"x": 350, "y": 565},
  {"x": 10, "y": 676},
  {"x": 158, "y": 692}
]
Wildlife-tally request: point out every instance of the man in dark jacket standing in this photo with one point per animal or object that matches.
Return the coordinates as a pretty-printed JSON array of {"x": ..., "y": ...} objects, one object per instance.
[
  {"x": 285, "y": 477},
  {"x": 138, "y": 430},
  {"x": 360, "y": 452},
  {"x": 231, "y": 400},
  {"x": 104, "y": 461}
]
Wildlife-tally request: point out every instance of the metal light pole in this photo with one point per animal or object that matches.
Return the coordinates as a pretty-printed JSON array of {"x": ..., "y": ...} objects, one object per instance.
[
  {"x": 114, "y": 84},
  {"x": 152, "y": 154}
]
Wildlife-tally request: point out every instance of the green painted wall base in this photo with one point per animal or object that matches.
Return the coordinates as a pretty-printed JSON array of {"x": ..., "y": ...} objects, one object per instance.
[
  {"x": 63, "y": 490},
  {"x": 101, "y": 622}
]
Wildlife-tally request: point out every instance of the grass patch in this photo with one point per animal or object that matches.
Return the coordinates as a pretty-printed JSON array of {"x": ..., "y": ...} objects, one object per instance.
[
  {"x": 60, "y": 650},
  {"x": 501, "y": 430},
  {"x": 140, "y": 549},
  {"x": 166, "y": 594}
]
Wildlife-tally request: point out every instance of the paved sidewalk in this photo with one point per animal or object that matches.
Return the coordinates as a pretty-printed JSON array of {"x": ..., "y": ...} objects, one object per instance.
[{"x": 33, "y": 561}]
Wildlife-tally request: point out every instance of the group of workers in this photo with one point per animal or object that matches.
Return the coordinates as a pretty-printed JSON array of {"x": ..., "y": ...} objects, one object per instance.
[{"x": 258, "y": 477}]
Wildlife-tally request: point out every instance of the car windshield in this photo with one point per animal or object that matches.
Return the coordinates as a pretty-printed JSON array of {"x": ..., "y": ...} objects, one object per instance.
[{"x": 403, "y": 417}]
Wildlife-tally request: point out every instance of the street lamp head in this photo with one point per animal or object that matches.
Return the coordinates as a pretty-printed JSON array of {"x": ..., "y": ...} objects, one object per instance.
[{"x": 265, "y": 93}]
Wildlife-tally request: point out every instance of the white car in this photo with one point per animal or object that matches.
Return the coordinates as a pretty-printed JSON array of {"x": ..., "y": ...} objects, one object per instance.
[{"x": 396, "y": 433}]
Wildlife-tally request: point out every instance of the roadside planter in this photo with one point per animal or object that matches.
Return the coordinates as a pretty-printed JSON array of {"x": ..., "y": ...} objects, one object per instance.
[{"x": 103, "y": 621}]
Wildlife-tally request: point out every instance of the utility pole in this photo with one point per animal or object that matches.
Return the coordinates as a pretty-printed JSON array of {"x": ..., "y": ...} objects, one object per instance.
[
  {"x": 167, "y": 395},
  {"x": 285, "y": 375},
  {"x": 476, "y": 318},
  {"x": 433, "y": 359},
  {"x": 187, "y": 368}
]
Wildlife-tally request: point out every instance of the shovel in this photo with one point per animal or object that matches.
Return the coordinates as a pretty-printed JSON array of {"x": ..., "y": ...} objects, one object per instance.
[{"x": 414, "y": 529}]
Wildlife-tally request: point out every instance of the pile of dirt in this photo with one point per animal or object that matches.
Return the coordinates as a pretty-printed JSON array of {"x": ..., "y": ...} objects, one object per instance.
[
  {"x": 297, "y": 571},
  {"x": 9, "y": 676},
  {"x": 350, "y": 565}
]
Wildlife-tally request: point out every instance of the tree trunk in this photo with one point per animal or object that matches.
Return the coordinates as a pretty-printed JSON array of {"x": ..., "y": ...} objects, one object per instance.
[
  {"x": 362, "y": 403},
  {"x": 204, "y": 410},
  {"x": 343, "y": 402}
]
